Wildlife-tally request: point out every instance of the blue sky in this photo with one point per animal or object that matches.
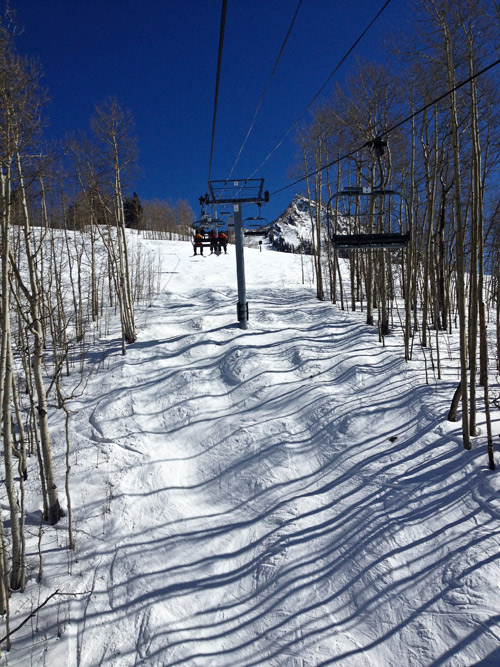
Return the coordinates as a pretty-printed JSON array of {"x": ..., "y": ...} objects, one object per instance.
[{"x": 159, "y": 58}]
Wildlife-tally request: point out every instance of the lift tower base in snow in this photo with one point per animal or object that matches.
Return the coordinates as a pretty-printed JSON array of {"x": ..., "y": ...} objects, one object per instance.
[{"x": 236, "y": 193}]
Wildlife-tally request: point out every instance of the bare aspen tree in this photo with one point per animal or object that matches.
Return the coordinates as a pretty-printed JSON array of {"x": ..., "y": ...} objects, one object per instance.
[
  {"x": 33, "y": 296},
  {"x": 112, "y": 127},
  {"x": 6, "y": 370},
  {"x": 479, "y": 166},
  {"x": 442, "y": 257},
  {"x": 486, "y": 390},
  {"x": 476, "y": 245},
  {"x": 165, "y": 220},
  {"x": 428, "y": 146},
  {"x": 20, "y": 107},
  {"x": 408, "y": 267},
  {"x": 313, "y": 215},
  {"x": 442, "y": 20}
]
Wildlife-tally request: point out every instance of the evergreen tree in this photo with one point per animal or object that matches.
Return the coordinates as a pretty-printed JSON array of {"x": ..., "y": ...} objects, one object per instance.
[{"x": 132, "y": 209}]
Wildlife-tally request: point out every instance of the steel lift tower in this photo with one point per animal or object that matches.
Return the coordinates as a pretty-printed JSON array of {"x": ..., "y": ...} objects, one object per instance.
[{"x": 236, "y": 193}]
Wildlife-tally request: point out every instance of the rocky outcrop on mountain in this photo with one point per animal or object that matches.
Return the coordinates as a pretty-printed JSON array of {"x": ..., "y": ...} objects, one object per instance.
[{"x": 292, "y": 231}]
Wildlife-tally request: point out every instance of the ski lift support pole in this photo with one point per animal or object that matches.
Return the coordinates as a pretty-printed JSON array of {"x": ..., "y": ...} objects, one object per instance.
[{"x": 236, "y": 193}]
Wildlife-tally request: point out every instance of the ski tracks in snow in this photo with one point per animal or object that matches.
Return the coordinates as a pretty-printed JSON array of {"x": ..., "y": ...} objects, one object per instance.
[{"x": 270, "y": 493}]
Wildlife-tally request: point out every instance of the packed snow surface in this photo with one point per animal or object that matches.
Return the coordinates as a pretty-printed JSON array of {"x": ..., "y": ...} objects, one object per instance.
[{"x": 286, "y": 495}]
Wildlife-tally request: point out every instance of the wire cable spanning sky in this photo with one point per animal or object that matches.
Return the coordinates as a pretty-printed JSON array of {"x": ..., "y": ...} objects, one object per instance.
[
  {"x": 217, "y": 84},
  {"x": 317, "y": 95},
  {"x": 264, "y": 92},
  {"x": 159, "y": 59}
]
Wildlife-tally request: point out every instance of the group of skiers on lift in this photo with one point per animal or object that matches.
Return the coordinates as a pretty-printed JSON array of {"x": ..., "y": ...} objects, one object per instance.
[{"x": 218, "y": 242}]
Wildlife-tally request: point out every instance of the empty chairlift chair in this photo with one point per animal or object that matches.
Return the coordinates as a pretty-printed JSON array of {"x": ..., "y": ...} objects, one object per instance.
[
  {"x": 363, "y": 218},
  {"x": 369, "y": 217},
  {"x": 256, "y": 225}
]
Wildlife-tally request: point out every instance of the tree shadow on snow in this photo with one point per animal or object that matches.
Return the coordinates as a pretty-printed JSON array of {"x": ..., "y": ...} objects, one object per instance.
[{"x": 338, "y": 532}]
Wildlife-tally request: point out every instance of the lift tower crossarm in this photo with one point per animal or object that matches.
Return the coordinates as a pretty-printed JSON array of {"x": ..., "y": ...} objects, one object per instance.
[{"x": 243, "y": 191}]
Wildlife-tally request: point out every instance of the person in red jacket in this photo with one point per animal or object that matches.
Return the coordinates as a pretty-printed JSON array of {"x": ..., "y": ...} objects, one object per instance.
[
  {"x": 213, "y": 242},
  {"x": 222, "y": 239}
]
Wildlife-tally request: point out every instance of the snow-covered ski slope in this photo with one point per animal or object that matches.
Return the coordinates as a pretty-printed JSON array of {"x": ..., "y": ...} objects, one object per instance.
[{"x": 288, "y": 495}]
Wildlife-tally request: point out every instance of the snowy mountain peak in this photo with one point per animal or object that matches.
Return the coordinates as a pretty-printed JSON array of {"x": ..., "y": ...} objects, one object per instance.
[{"x": 292, "y": 230}]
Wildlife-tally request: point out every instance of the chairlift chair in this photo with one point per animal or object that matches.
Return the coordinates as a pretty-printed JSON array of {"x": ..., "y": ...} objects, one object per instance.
[
  {"x": 379, "y": 218},
  {"x": 253, "y": 225}
]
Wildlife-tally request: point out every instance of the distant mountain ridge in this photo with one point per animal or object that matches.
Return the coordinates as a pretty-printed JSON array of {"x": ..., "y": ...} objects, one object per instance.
[{"x": 292, "y": 230}]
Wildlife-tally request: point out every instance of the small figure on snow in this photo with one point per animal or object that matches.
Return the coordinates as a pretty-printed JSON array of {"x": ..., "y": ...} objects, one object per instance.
[
  {"x": 213, "y": 242},
  {"x": 198, "y": 243},
  {"x": 222, "y": 239}
]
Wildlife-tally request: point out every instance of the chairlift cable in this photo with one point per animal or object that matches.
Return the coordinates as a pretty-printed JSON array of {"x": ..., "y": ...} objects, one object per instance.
[
  {"x": 316, "y": 171},
  {"x": 391, "y": 129},
  {"x": 219, "y": 63},
  {"x": 338, "y": 66},
  {"x": 441, "y": 97},
  {"x": 265, "y": 91}
]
